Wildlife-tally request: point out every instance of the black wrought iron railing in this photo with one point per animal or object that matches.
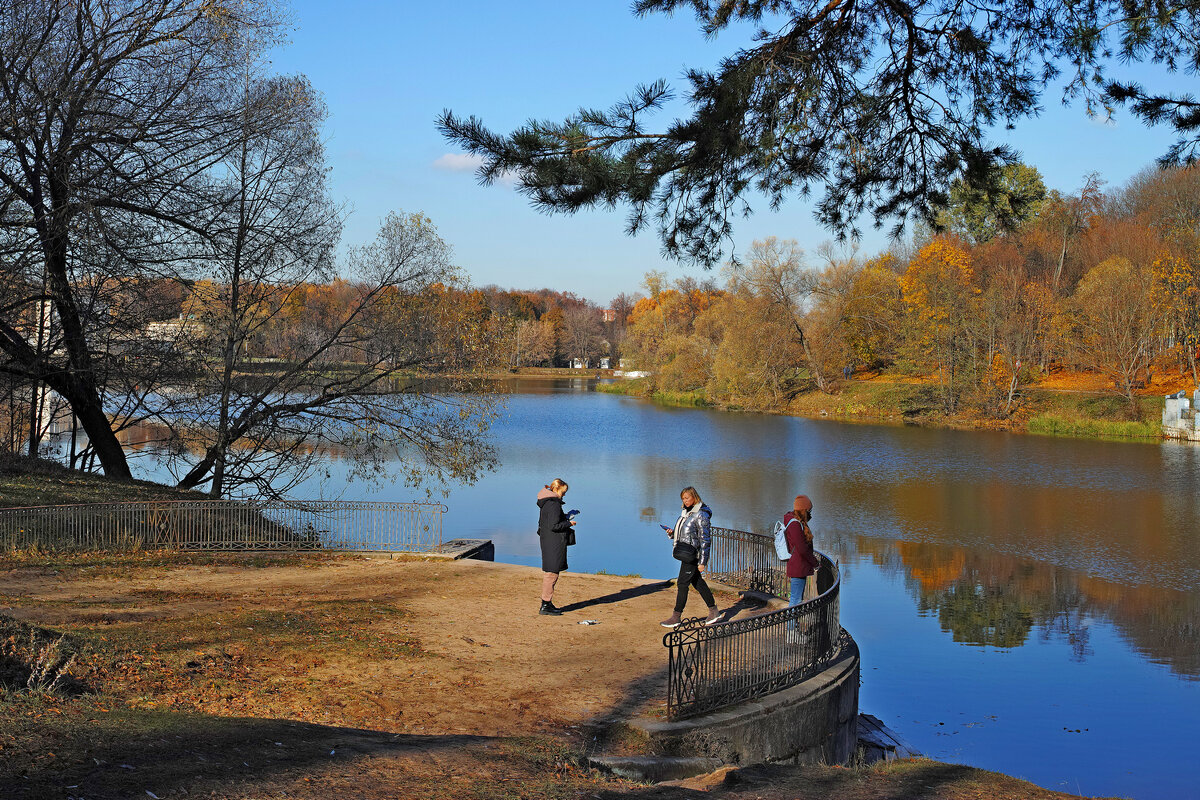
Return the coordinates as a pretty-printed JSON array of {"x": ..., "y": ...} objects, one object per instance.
[
  {"x": 224, "y": 525},
  {"x": 714, "y": 666},
  {"x": 748, "y": 561}
]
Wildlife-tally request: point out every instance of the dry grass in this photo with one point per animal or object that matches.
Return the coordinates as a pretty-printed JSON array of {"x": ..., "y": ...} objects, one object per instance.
[{"x": 28, "y": 481}]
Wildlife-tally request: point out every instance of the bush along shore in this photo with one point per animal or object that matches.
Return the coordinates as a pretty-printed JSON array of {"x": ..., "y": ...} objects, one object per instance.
[{"x": 1050, "y": 412}]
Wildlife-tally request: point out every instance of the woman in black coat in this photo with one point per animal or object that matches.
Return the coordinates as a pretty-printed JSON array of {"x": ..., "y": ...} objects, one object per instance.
[{"x": 554, "y": 527}]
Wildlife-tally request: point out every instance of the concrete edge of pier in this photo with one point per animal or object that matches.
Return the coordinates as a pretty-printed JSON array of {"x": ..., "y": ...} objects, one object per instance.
[{"x": 812, "y": 722}]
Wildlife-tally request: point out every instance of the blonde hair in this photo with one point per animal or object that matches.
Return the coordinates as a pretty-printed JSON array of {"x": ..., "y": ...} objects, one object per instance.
[
  {"x": 692, "y": 491},
  {"x": 556, "y": 484}
]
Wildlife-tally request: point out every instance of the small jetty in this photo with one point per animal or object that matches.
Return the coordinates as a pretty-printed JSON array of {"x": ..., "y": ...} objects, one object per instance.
[
  {"x": 478, "y": 549},
  {"x": 878, "y": 742}
]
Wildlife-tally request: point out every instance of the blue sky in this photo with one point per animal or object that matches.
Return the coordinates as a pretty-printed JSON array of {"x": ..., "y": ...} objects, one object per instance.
[{"x": 387, "y": 69}]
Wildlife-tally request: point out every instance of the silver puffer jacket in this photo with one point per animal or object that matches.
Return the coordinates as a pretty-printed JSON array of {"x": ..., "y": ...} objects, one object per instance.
[{"x": 694, "y": 528}]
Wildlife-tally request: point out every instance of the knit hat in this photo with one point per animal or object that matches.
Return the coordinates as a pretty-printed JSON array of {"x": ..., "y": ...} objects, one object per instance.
[{"x": 802, "y": 503}]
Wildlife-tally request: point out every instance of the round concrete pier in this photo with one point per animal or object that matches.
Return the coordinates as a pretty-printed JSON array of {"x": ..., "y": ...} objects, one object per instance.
[{"x": 811, "y": 722}]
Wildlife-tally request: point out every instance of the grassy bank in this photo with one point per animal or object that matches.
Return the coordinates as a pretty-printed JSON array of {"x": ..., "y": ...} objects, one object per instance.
[
  {"x": 1092, "y": 416},
  {"x": 640, "y": 387},
  {"x": 28, "y": 481},
  {"x": 1041, "y": 411}
]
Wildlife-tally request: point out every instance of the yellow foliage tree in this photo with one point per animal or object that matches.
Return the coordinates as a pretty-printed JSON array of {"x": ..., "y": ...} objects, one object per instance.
[
  {"x": 1117, "y": 319},
  {"x": 872, "y": 311},
  {"x": 1177, "y": 289},
  {"x": 941, "y": 302}
]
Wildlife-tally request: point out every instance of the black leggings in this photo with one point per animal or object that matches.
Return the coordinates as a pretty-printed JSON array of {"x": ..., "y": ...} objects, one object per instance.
[{"x": 689, "y": 575}]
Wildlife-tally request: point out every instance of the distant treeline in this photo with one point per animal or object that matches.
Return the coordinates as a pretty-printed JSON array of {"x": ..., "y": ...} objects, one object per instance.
[
  {"x": 1013, "y": 287},
  {"x": 536, "y": 327}
]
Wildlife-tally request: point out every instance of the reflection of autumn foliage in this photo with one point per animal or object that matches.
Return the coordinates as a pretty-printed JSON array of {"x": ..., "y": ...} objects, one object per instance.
[{"x": 990, "y": 598}]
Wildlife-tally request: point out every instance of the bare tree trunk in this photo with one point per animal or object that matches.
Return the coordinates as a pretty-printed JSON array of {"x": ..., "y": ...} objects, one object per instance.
[
  {"x": 1012, "y": 390},
  {"x": 37, "y": 391},
  {"x": 233, "y": 333},
  {"x": 814, "y": 369},
  {"x": 77, "y": 384},
  {"x": 1062, "y": 257}
]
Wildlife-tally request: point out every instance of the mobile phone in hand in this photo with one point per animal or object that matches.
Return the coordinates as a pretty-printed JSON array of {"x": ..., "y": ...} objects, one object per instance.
[
  {"x": 666, "y": 528},
  {"x": 572, "y": 512}
]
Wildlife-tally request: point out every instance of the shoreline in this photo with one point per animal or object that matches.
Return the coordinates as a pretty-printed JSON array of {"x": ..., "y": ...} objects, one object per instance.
[{"x": 1055, "y": 412}]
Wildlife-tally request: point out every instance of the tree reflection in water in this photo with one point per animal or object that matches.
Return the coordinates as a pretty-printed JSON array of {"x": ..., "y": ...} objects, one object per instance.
[{"x": 996, "y": 600}]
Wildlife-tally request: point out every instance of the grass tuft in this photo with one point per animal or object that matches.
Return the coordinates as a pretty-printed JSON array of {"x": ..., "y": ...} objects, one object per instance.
[{"x": 37, "y": 660}]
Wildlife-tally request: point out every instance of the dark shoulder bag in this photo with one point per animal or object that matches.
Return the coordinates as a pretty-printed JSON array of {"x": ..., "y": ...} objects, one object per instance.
[{"x": 685, "y": 552}]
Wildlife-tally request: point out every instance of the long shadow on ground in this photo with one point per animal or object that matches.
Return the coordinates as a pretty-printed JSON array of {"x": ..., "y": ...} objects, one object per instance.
[
  {"x": 173, "y": 754},
  {"x": 617, "y": 597}
]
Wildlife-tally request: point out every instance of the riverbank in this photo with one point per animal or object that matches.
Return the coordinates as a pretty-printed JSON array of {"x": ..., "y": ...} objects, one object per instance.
[
  {"x": 1047, "y": 409},
  {"x": 26, "y": 481},
  {"x": 240, "y": 676}
]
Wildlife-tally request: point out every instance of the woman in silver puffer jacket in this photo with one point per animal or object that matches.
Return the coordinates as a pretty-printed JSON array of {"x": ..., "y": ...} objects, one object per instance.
[{"x": 692, "y": 531}]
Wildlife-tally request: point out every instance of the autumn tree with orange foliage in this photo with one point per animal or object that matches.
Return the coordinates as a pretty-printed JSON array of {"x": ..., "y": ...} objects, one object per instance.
[
  {"x": 662, "y": 333},
  {"x": 1107, "y": 283},
  {"x": 942, "y": 303},
  {"x": 775, "y": 272},
  {"x": 1170, "y": 200},
  {"x": 757, "y": 358},
  {"x": 871, "y": 310},
  {"x": 1015, "y": 324},
  {"x": 1177, "y": 283},
  {"x": 1116, "y": 321}
]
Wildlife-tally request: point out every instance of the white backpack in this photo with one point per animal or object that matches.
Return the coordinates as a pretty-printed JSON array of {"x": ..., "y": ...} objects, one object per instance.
[{"x": 781, "y": 546}]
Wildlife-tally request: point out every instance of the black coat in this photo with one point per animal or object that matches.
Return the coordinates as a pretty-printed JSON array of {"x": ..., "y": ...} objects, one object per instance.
[{"x": 553, "y": 526}]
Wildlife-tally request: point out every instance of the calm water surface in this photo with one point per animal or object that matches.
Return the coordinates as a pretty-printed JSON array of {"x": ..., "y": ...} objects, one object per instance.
[{"x": 1023, "y": 604}]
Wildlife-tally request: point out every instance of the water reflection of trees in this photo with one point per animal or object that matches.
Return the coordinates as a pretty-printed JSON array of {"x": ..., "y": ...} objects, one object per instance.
[
  {"x": 989, "y": 598},
  {"x": 981, "y": 594}
]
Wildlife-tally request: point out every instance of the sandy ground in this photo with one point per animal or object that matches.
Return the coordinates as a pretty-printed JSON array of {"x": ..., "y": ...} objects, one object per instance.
[{"x": 499, "y": 667}]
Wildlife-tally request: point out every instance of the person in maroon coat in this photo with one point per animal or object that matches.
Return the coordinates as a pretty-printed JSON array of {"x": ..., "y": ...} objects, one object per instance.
[{"x": 803, "y": 562}]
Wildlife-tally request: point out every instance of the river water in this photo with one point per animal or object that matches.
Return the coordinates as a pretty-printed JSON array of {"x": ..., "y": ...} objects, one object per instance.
[{"x": 1022, "y": 604}]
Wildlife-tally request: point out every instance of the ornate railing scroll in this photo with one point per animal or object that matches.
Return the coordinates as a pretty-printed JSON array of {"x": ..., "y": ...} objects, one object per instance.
[
  {"x": 225, "y": 525},
  {"x": 713, "y": 666}
]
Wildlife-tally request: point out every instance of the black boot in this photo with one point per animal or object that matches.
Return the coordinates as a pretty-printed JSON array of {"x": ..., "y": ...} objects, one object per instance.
[{"x": 549, "y": 610}]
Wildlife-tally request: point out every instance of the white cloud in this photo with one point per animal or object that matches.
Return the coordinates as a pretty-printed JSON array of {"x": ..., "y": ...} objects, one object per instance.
[
  {"x": 458, "y": 162},
  {"x": 469, "y": 162}
]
